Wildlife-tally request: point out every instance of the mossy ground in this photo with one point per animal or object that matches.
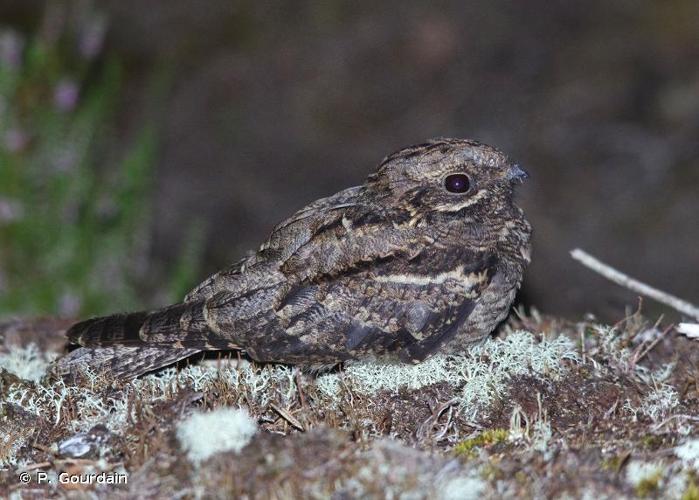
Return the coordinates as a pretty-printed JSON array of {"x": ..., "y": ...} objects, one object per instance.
[{"x": 593, "y": 410}]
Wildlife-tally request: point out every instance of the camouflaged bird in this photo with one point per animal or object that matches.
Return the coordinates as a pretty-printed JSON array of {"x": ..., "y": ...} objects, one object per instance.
[{"x": 426, "y": 255}]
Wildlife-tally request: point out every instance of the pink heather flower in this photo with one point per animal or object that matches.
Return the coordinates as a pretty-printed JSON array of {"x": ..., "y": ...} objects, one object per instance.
[
  {"x": 11, "y": 48},
  {"x": 65, "y": 95},
  {"x": 69, "y": 304},
  {"x": 10, "y": 210},
  {"x": 92, "y": 36},
  {"x": 15, "y": 140}
]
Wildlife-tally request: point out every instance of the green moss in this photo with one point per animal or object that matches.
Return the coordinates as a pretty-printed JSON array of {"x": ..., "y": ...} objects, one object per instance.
[
  {"x": 652, "y": 442},
  {"x": 614, "y": 463},
  {"x": 521, "y": 477},
  {"x": 468, "y": 447},
  {"x": 692, "y": 491},
  {"x": 648, "y": 486}
]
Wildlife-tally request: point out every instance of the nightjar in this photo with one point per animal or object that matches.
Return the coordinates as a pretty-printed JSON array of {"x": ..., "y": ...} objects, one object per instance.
[{"x": 425, "y": 256}]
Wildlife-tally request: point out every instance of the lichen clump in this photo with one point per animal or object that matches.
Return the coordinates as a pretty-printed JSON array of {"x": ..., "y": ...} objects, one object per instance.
[
  {"x": 204, "y": 434},
  {"x": 481, "y": 374}
]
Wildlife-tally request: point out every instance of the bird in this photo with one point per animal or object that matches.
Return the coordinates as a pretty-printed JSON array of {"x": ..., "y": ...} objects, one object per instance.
[{"x": 425, "y": 256}]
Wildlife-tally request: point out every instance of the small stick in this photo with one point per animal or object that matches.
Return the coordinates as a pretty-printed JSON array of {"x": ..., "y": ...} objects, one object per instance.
[
  {"x": 288, "y": 417},
  {"x": 654, "y": 343},
  {"x": 39, "y": 465},
  {"x": 634, "y": 285},
  {"x": 302, "y": 399},
  {"x": 42, "y": 448},
  {"x": 428, "y": 424},
  {"x": 673, "y": 417}
]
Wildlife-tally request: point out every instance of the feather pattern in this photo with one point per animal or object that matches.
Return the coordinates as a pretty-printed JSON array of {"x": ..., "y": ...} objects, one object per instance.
[{"x": 399, "y": 266}]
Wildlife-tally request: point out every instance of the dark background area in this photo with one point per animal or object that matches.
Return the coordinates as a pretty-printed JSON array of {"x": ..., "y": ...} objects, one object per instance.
[{"x": 269, "y": 105}]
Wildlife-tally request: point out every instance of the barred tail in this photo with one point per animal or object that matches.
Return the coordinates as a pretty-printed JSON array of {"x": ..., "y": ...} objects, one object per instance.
[
  {"x": 128, "y": 345},
  {"x": 122, "y": 329},
  {"x": 181, "y": 326}
]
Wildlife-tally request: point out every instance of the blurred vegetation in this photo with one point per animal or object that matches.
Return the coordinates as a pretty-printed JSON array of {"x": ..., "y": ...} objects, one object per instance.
[
  {"x": 271, "y": 105},
  {"x": 74, "y": 202}
]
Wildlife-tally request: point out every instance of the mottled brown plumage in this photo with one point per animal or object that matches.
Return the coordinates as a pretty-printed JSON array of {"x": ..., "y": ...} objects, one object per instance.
[{"x": 426, "y": 255}]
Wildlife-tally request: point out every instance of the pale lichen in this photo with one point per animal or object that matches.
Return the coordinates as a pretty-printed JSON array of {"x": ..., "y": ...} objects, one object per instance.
[
  {"x": 204, "y": 434},
  {"x": 688, "y": 453},
  {"x": 481, "y": 374},
  {"x": 462, "y": 488},
  {"x": 27, "y": 363},
  {"x": 645, "y": 477}
]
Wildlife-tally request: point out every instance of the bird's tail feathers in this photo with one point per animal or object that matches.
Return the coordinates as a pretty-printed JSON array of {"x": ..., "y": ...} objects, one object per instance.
[{"x": 180, "y": 326}]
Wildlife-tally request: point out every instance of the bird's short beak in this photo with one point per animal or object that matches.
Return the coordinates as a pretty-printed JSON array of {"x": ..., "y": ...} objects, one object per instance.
[{"x": 517, "y": 173}]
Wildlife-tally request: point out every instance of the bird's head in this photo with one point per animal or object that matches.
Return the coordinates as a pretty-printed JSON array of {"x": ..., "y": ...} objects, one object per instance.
[{"x": 448, "y": 176}]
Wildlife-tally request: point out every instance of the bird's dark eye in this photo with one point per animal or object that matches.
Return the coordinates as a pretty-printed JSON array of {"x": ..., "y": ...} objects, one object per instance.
[{"x": 457, "y": 183}]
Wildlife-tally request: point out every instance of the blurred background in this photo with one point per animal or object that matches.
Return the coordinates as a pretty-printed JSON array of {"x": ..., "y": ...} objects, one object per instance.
[{"x": 144, "y": 145}]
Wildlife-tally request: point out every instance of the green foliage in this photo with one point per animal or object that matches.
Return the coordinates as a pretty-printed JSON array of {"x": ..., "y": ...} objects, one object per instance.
[
  {"x": 74, "y": 207},
  {"x": 468, "y": 447},
  {"x": 648, "y": 486},
  {"x": 692, "y": 491}
]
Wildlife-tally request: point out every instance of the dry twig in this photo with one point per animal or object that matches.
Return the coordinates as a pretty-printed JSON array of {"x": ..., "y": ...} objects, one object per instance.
[
  {"x": 427, "y": 426},
  {"x": 288, "y": 417},
  {"x": 634, "y": 285}
]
